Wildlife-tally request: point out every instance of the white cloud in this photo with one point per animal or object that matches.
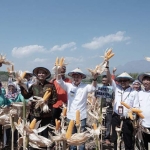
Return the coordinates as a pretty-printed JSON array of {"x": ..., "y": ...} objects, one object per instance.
[
  {"x": 27, "y": 50},
  {"x": 103, "y": 40},
  {"x": 73, "y": 60},
  {"x": 39, "y": 60},
  {"x": 71, "y": 45}
]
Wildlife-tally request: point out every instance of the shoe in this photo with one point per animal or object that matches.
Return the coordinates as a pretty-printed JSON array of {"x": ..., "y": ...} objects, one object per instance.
[{"x": 107, "y": 142}]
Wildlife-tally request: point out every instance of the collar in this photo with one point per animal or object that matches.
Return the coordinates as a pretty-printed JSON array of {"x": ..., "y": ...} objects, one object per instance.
[{"x": 76, "y": 85}]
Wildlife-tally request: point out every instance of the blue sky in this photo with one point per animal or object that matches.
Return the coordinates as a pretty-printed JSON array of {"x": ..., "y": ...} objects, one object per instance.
[{"x": 34, "y": 32}]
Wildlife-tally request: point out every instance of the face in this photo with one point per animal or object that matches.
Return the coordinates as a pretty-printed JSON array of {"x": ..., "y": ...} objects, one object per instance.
[
  {"x": 77, "y": 78},
  {"x": 146, "y": 83},
  {"x": 41, "y": 75},
  {"x": 11, "y": 89},
  {"x": 136, "y": 86},
  {"x": 105, "y": 81},
  {"x": 124, "y": 83},
  {"x": 28, "y": 76}
]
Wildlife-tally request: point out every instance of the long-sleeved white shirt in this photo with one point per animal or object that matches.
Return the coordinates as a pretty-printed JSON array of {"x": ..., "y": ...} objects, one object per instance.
[
  {"x": 129, "y": 96},
  {"x": 77, "y": 98},
  {"x": 144, "y": 99}
]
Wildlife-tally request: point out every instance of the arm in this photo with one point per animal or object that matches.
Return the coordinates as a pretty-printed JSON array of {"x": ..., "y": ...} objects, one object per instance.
[{"x": 53, "y": 98}]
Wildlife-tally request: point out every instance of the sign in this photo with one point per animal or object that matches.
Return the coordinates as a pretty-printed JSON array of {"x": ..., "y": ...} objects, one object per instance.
[{"x": 104, "y": 91}]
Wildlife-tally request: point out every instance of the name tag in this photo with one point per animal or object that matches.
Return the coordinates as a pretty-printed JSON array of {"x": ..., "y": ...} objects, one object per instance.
[{"x": 120, "y": 110}]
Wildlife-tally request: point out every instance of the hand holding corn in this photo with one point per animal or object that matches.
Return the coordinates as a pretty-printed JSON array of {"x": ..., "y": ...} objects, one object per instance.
[{"x": 131, "y": 110}]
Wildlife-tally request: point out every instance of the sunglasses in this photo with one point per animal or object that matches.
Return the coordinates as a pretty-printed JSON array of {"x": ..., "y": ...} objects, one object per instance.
[{"x": 123, "y": 80}]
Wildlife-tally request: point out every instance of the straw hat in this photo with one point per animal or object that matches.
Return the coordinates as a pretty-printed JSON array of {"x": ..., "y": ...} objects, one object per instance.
[
  {"x": 141, "y": 76},
  {"x": 124, "y": 75},
  {"x": 36, "y": 70},
  {"x": 77, "y": 71}
]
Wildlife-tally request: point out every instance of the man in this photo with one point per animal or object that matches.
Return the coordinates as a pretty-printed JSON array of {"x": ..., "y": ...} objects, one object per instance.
[
  {"x": 61, "y": 96},
  {"x": 77, "y": 97},
  {"x": 107, "y": 102},
  {"x": 124, "y": 93},
  {"x": 144, "y": 99},
  {"x": 38, "y": 89}
]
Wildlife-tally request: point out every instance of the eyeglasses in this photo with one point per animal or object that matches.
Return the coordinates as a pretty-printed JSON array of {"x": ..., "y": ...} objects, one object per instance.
[{"x": 123, "y": 80}]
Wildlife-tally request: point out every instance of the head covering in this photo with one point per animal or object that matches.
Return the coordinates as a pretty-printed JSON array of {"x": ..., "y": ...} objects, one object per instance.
[
  {"x": 12, "y": 84},
  {"x": 136, "y": 81},
  {"x": 77, "y": 71},
  {"x": 141, "y": 76},
  {"x": 124, "y": 75},
  {"x": 28, "y": 72},
  {"x": 48, "y": 73}
]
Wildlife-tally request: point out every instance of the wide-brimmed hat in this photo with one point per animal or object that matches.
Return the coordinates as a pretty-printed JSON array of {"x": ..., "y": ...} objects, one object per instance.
[
  {"x": 48, "y": 73},
  {"x": 142, "y": 75},
  {"x": 124, "y": 75},
  {"x": 77, "y": 71}
]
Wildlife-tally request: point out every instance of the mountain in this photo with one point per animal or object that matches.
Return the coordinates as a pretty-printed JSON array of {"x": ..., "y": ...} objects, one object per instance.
[{"x": 137, "y": 66}]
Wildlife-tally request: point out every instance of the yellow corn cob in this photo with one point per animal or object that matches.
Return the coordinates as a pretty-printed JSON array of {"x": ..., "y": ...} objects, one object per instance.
[
  {"x": 77, "y": 117},
  {"x": 130, "y": 115},
  {"x": 94, "y": 126},
  {"x": 46, "y": 95},
  {"x": 19, "y": 120},
  {"x": 57, "y": 124},
  {"x": 23, "y": 75},
  {"x": 12, "y": 67},
  {"x": 140, "y": 115},
  {"x": 32, "y": 124},
  {"x": 126, "y": 105},
  {"x": 61, "y": 62},
  {"x": 109, "y": 52},
  {"x": 111, "y": 55},
  {"x": 57, "y": 61},
  {"x": 69, "y": 130},
  {"x": 64, "y": 111},
  {"x": 136, "y": 110}
]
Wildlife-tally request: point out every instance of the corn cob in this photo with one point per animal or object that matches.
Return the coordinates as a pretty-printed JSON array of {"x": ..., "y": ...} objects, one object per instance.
[
  {"x": 46, "y": 95},
  {"x": 126, "y": 105},
  {"x": 109, "y": 52},
  {"x": 69, "y": 130},
  {"x": 19, "y": 120},
  {"x": 57, "y": 122},
  {"x": 136, "y": 110},
  {"x": 111, "y": 55},
  {"x": 23, "y": 75},
  {"x": 57, "y": 61},
  {"x": 94, "y": 126},
  {"x": 140, "y": 115},
  {"x": 130, "y": 115},
  {"x": 77, "y": 117},
  {"x": 32, "y": 124},
  {"x": 64, "y": 111},
  {"x": 61, "y": 62}
]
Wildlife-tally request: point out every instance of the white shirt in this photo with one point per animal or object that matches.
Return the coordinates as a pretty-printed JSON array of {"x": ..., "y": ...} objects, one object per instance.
[
  {"x": 144, "y": 99},
  {"x": 129, "y": 96},
  {"x": 77, "y": 98}
]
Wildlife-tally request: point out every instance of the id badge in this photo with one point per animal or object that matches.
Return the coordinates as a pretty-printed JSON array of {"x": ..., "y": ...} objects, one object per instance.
[{"x": 120, "y": 110}]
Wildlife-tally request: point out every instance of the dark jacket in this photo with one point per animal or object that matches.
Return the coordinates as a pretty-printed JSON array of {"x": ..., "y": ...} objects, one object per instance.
[{"x": 39, "y": 89}]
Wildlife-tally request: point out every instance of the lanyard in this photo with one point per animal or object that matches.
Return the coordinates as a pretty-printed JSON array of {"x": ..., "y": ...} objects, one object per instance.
[{"x": 123, "y": 93}]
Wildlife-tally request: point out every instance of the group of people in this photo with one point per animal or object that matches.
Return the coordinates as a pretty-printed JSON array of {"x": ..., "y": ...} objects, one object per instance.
[{"x": 73, "y": 92}]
